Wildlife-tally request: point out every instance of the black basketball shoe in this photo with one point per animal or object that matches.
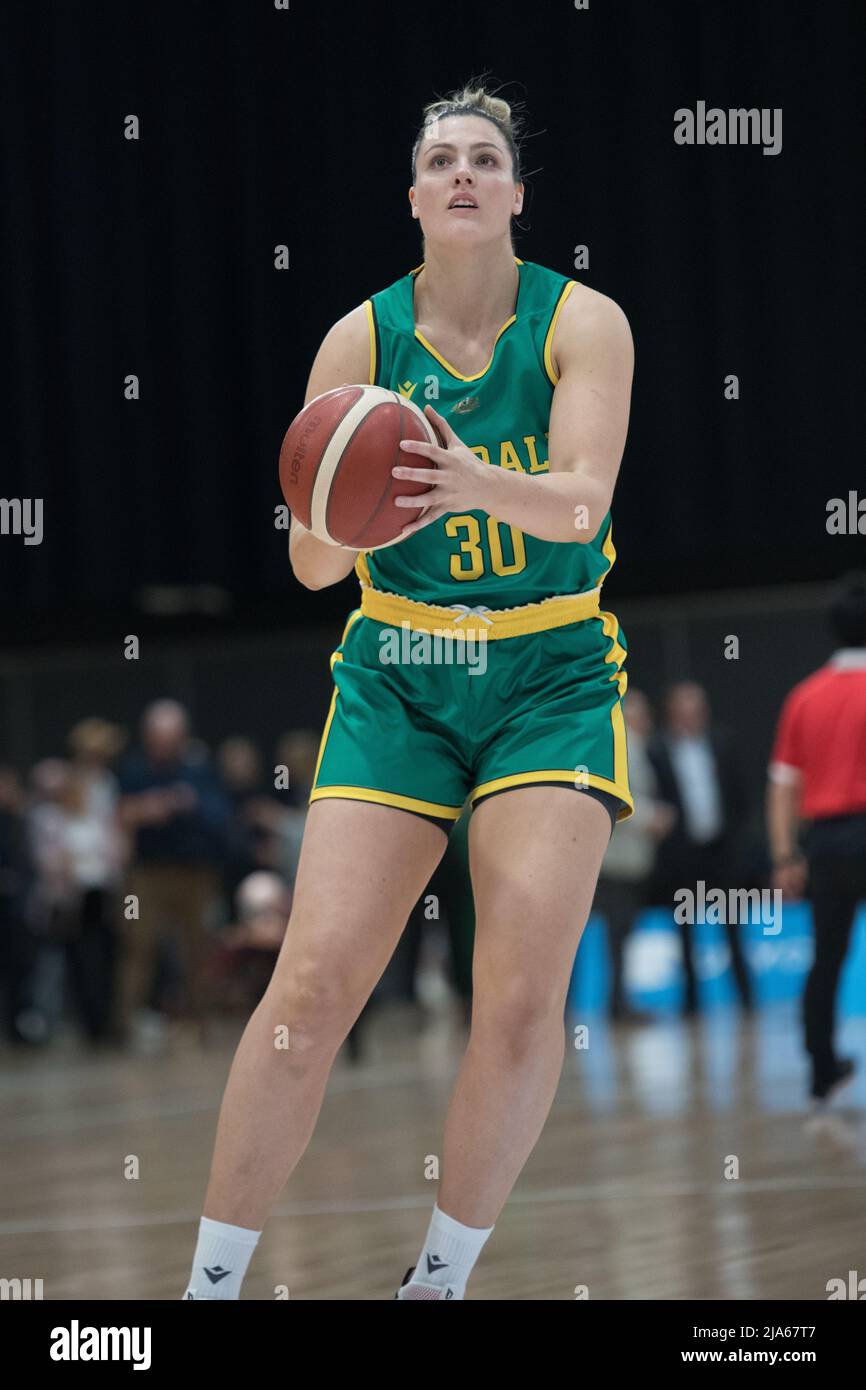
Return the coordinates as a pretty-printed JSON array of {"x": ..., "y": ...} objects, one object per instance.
[{"x": 826, "y": 1084}]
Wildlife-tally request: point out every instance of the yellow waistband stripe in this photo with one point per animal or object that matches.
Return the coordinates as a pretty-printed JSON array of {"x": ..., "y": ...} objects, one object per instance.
[{"x": 461, "y": 620}]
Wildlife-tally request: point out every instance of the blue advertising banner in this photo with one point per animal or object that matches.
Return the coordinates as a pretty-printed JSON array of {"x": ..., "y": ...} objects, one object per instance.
[{"x": 778, "y": 961}]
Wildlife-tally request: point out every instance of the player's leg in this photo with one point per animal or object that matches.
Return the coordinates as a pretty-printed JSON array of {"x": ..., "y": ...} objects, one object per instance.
[
  {"x": 362, "y": 867},
  {"x": 548, "y": 712},
  {"x": 535, "y": 854},
  {"x": 834, "y": 905}
]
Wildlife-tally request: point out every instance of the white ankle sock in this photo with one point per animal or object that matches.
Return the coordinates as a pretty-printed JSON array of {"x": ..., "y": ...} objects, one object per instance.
[
  {"x": 446, "y": 1259},
  {"x": 220, "y": 1261}
]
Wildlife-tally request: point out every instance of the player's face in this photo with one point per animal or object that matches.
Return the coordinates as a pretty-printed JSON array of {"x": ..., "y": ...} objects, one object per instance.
[{"x": 465, "y": 158}]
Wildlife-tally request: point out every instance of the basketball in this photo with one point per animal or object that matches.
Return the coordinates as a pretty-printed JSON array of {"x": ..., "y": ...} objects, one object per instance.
[{"x": 336, "y": 462}]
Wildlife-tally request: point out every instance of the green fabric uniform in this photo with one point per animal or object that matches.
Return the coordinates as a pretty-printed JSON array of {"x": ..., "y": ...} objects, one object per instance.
[{"x": 415, "y": 727}]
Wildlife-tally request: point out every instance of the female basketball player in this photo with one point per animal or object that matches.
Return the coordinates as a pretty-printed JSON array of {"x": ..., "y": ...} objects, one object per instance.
[{"x": 530, "y": 373}]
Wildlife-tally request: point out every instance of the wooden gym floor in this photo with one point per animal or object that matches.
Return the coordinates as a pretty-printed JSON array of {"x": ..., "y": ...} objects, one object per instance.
[{"x": 625, "y": 1192}]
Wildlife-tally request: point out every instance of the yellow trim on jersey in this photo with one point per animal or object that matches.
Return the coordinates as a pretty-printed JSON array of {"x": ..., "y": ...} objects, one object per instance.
[
  {"x": 445, "y": 363},
  {"x": 362, "y": 569},
  {"x": 327, "y": 728},
  {"x": 620, "y": 754},
  {"x": 610, "y": 628},
  {"x": 403, "y": 803},
  {"x": 608, "y": 550},
  {"x": 371, "y": 324},
  {"x": 335, "y": 656},
  {"x": 548, "y": 341},
  {"x": 569, "y": 777},
  {"x": 453, "y": 370},
  {"x": 474, "y": 624}
]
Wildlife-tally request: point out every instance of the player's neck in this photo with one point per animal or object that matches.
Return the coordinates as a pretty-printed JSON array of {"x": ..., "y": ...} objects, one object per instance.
[{"x": 474, "y": 292}]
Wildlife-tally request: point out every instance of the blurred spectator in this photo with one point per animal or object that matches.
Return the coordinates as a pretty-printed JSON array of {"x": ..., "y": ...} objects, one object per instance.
[
  {"x": 818, "y": 771},
  {"x": 242, "y": 965},
  {"x": 697, "y": 773},
  {"x": 17, "y": 944},
  {"x": 631, "y": 855},
  {"x": 298, "y": 753},
  {"x": 54, "y": 898},
  {"x": 98, "y": 851},
  {"x": 176, "y": 809},
  {"x": 249, "y": 844}
]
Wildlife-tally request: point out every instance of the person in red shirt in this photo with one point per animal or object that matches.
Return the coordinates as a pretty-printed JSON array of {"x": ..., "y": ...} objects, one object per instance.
[{"x": 817, "y": 773}]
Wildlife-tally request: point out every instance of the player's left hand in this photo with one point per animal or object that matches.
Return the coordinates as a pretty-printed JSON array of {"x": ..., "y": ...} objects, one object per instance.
[{"x": 457, "y": 481}]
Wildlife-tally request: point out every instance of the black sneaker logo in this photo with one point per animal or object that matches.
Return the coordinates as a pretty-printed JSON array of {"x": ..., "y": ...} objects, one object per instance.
[
  {"x": 435, "y": 1262},
  {"x": 217, "y": 1273},
  {"x": 450, "y": 1293}
]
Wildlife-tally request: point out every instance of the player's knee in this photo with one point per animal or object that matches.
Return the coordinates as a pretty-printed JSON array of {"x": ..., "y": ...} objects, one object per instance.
[
  {"x": 513, "y": 1011},
  {"x": 316, "y": 1000}
]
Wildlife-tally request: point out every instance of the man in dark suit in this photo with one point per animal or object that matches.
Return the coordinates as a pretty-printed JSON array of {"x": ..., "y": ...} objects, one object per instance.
[{"x": 697, "y": 772}]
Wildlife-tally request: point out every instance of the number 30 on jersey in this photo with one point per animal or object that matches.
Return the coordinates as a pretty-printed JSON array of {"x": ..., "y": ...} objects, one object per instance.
[{"x": 469, "y": 562}]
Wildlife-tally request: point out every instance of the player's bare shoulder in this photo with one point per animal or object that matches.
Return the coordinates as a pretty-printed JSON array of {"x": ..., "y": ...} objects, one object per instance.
[
  {"x": 590, "y": 321},
  {"x": 344, "y": 358}
]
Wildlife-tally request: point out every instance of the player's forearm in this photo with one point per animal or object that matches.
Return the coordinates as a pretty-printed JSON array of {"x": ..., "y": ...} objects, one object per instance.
[
  {"x": 783, "y": 819},
  {"x": 315, "y": 563},
  {"x": 561, "y": 506}
]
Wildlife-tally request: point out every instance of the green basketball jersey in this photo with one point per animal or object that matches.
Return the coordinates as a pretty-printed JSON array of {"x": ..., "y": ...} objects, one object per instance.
[{"x": 503, "y": 415}]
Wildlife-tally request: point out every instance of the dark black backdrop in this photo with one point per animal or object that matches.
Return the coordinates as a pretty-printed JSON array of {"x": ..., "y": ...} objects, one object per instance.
[{"x": 261, "y": 126}]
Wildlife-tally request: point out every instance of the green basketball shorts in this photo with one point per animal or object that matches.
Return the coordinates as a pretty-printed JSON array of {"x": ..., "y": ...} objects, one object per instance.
[{"x": 421, "y": 722}]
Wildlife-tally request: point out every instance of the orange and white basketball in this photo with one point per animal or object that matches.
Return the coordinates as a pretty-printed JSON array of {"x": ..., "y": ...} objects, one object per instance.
[{"x": 336, "y": 461}]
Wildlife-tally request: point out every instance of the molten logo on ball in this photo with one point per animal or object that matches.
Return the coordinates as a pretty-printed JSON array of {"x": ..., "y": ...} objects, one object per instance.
[
  {"x": 298, "y": 456},
  {"x": 336, "y": 461}
]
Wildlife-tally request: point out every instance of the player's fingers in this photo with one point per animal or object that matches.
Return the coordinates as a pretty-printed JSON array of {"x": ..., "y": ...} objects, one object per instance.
[
  {"x": 420, "y": 446},
  {"x": 431, "y": 514},
  {"x": 444, "y": 428},
  {"x": 417, "y": 475}
]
